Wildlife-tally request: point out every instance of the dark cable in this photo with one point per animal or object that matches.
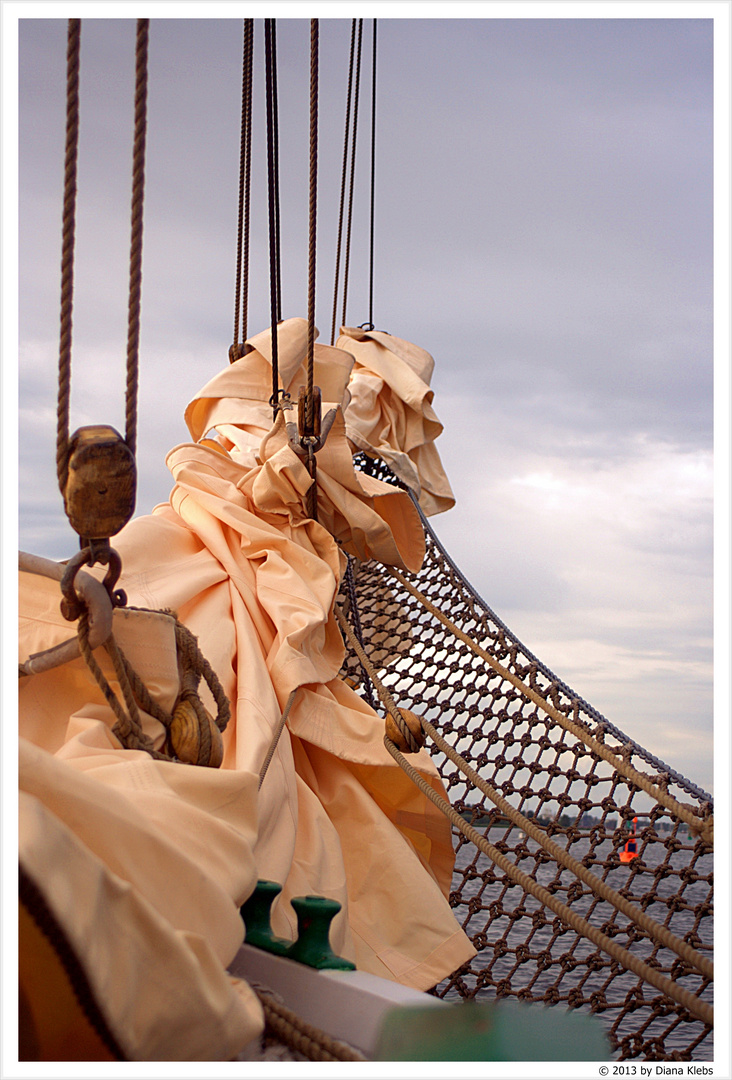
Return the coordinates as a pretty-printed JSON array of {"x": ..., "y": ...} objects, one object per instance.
[
  {"x": 373, "y": 176},
  {"x": 353, "y": 170},
  {"x": 272, "y": 201},
  {"x": 241, "y": 290},
  {"x": 343, "y": 181}
]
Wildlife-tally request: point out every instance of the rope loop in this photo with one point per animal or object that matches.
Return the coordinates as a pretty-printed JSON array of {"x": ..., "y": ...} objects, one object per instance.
[
  {"x": 72, "y": 604},
  {"x": 192, "y": 735},
  {"x": 280, "y": 400}
]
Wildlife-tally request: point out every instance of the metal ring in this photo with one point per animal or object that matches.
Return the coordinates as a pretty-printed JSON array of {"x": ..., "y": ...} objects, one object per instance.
[{"x": 71, "y": 605}]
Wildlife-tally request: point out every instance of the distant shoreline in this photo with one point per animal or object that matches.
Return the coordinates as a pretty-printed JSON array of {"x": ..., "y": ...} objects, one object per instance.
[{"x": 486, "y": 821}]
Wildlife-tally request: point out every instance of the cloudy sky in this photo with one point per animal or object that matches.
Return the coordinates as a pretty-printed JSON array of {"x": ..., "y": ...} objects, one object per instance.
[{"x": 543, "y": 228}]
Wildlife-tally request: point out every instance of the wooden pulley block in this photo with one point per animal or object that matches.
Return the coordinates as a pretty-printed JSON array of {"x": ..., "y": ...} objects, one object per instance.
[
  {"x": 102, "y": 482},
  {"x": 194, "y": 736},
  {"x": 302, "y": 412}
]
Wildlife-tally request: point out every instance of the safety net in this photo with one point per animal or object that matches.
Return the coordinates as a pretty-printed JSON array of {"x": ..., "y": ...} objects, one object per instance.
[{"x": 592, "y": 885}]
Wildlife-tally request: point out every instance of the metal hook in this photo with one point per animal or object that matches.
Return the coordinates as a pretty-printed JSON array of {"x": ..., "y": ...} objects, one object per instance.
[{"x": 96, "y": 552}]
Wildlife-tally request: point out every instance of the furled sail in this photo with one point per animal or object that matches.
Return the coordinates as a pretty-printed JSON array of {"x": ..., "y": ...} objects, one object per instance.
[{"x": 254, "y": 578}]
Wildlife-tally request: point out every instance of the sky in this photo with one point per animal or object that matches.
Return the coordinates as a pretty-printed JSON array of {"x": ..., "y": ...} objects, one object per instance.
[{"x": 544, "y": 228}]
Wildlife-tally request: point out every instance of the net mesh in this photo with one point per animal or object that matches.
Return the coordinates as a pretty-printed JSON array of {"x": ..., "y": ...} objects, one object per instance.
[{"x": 552, "y": 777}]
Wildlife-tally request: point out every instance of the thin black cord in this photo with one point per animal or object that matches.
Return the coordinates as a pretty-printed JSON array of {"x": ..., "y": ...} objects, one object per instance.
[
  {"x": 272, "y": 200},
  {"x": 373, "y": 177},
  {"x": 353, "y": 171},
  {"x": 241, "y": 287},
  {"x": 276, "y": 115},
  {"x": 349, "y": 93}
]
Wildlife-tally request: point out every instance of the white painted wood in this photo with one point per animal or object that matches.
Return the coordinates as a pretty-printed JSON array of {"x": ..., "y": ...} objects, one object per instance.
[{"x": 348, "y": 1005}]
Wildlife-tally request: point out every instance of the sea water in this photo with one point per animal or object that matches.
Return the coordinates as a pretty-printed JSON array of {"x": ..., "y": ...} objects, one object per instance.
[{"x": 683, "y": 922}]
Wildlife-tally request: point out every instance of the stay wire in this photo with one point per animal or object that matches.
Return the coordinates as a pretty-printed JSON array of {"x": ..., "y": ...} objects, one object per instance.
[
  {"x": 276, "y": 114},
  {"x": 354, "y": 134},
  {"x": 241, "y": 288},
  {"x": 272, "y": 183},
  {"x": 344, "y": 170},
  {"x": 312, "y": 216},
  {"x": 373, "y": 178}
]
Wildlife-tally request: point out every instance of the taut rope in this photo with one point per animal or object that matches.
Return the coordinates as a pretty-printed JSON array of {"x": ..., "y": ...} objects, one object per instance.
[
  {"x": 699, "y": 825},
  {"x": 344, "y": 170},
  {"x": 312, "y": 214},
  {"x": 347, "y": 261},
  {"x": 373, "y": 179},
  {"x": 632, "y": 963},
  {"x": 241, "y": 288},
  {"x": 67, "y": 249},
  {"x": 138, "y": 194},
  {"x": 270, "y": 57},
  {"x": 68, "y": 237},
  {"x": 659, "y": 933}
]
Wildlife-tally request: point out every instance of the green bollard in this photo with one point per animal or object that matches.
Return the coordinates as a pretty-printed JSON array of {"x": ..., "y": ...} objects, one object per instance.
[
  {"x": 314, "y": 916},
  {"x": 256, "y": 915}
]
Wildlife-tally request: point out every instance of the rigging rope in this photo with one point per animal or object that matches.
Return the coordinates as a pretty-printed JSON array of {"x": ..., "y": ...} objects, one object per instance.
[
  {"x": 67, "y": 248},
  {"x": 312, "y": 215},
  {"x": 187, "y": 711},
  {"x": 370, "y": 325},
  {"x": 476, "y": 604},
  {"x": 343, "y": 178},
  {"x": 138, "y": 193},
  {"x": 347, "y": 261},
  {"x": 654, "y": 929},
  {"x": 702, "y": 827},
  {"x": 309, "y": 418},
  {"x": 295, "y": 1032},
  {"x": 351, "y": 133},
  {"x": 276, "y": 737},
  {"x": 69, "y": 228},
  {"x": 355, "y": 615},
  {"x": 276, "y": 115},
  {"x": 273, "y": 200},
  {"x": 639, "y": 967},
  {"x": 241, "y": 288}
]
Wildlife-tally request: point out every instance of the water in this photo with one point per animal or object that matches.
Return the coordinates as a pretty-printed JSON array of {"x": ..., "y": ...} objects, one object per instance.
[{"x": 525, "y": 972}]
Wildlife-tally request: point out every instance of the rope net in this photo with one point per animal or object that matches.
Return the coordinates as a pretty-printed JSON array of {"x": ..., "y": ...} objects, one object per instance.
[{"x": 560, "y": 779}]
